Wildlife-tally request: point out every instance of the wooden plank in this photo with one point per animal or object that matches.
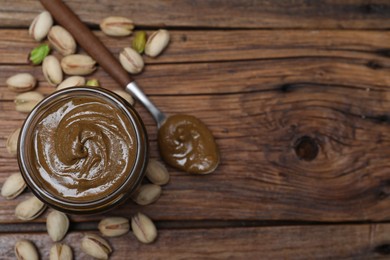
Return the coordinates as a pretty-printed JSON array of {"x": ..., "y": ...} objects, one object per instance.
[
  {"x": 259, "y": 113},
  {"x": 292, "y": 242},
  {"x": 221, "y": 13},
  {"x": 219, "y": 45}
]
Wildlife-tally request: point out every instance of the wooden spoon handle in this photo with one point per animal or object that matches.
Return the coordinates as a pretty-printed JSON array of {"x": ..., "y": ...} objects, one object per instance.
[{"x": 87, "y": 40}]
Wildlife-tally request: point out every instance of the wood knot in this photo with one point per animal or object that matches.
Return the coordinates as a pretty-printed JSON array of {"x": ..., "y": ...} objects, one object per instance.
[
  {"x": 383, "y": 249},
  {"x": 306, "y": 148}
]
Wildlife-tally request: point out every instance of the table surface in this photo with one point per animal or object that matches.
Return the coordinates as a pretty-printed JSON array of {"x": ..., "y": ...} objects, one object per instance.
[{"x": 297, "y": 95}]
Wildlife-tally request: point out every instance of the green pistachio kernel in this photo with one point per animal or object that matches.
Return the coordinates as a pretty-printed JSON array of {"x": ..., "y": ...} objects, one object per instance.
[
  {"x": 39, "y": 53},
  {"x": 139, "y": 42},
  {"x": 93, "y": 83}
]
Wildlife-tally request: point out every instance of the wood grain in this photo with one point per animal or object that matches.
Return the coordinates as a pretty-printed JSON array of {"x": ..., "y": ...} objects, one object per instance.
[
  {"x": 259, "y": 112},
  {"x": 335, "y": 14},
  {"x": 219, "y": 45},
  {"x": 293, "y": 242}
]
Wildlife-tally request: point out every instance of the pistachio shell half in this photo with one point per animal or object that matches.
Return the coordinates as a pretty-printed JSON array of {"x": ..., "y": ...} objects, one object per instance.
[
  {"x": 95, "y": 246},
  {"x": 126, "y": 96},
  {"x": 61, "y": 252},
  {"x": 25, "y": 102},
  {"x": 40, "y": 26},
  {"x": 146, "y": 194},
  {"x": 156, "y": 43},
  {"x": 25, "y": 250},
  {"x": 131, "y": 60},
  {"x": 78, "y": 64},
  {"x": 51, "y": 69},
  {"x": 72, "y": 81},
  {"x": 114, "y": 226},
  {"x": 117, "y": 26},
  {"x": 157, "y": 173},
  {"x": 12, "y": 142},
  {"x": 143, "y": 228},
  {"x": 62, "y": 40}
]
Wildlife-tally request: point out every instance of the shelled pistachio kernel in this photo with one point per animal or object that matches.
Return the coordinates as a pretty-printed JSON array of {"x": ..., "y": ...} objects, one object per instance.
[
  {"x": 13, "y": 186},
  {"x": 57, "y": 224},
  {"x": 156, "y": 43},
  {"x": 40, "y": 26},
  {"x": 25, "y": 250},
  {"x": 114, "y": 226},
  {"x": 52, "y": 71},
  {"x": 12, "y": 142},
  {"x": 78, "y": 64},
  {"x": 29, "y": 209},
  {"x": 73, "y": 81},
  {"x": 38, "y": 54},
  {"x": 157, "y": 173},
  {"x": 146, "y": 194},
  {"x": 143, "y": 228},
  {"x": 25, "y": 102},
  {"x": 21, "y": 82},
  {"x": 126, "y": 96},
  {"x": 139, "y": 42},
  {"x": 93, "y": 83},
  {"x": 60, "y": 251},
  {"x": 95, "y": 246},
  {"x": 117, "y": 26},
  {"x": 62, "y": 40}
]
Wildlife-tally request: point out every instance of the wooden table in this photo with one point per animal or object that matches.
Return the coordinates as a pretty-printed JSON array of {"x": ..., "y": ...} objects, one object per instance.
[{"x": 297, "y": 94}]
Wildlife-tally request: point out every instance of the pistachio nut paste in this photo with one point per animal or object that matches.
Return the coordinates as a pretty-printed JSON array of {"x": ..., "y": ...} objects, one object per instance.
[
  {"x": 84, "y": 148},
  {"x": 187, "y": 144}
]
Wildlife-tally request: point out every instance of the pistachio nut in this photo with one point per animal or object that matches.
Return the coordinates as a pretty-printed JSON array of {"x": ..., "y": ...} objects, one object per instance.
[
  {"x": 143, "y": 228},
  {"x": 40, "y": 26},
  {"x": 27, "y": 101},
  {"x": 126, "y": 96},
  {"x": 38, "y": 54},
  {"x": 146, "y": 194},
  {"x": 117, "y": 26},
  {"x": 157, "y": 173},
  {"x": 25, "y": 249},
  {"x": 60, "y": 252},
  {"x": 51, "y": 69},
  {"x": 131, "y": 60},
  {"x": 93, "y": 83},
  {"x": 156, "y": 43},
  {"x": 114, "y": 226},
  {"x": 62, "y": 40},
  {"x": 21, "y": 82},
  {"x": 95, "y": 246},
  {"x": 139, "y": 41},
  {"x": 72, "y": 81},
  {"x": 13, "y": 186},
  {"x": 29, "y": 209},
  {"x": 57, "y": 224},
  {"x": 78, "y": 64},
  {"x": 12, "y": 142}
]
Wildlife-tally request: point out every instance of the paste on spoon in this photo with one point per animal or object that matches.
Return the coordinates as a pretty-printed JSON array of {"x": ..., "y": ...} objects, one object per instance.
[{"x": 187, "y": 144}]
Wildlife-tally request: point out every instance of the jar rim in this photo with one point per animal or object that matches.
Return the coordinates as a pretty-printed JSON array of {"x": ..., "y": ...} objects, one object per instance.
[{"x": 112, "y": 199}]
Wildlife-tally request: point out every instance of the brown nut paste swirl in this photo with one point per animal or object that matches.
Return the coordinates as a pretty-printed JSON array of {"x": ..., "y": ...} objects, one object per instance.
[{"x": 84, "y": 148}]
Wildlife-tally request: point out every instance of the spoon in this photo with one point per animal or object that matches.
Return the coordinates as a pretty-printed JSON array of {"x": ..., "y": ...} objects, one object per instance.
[{"x": 184, "y": 141}]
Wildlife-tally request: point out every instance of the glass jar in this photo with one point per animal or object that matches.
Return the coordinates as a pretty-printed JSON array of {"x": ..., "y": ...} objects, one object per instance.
[{"x": 52, "y": 145}]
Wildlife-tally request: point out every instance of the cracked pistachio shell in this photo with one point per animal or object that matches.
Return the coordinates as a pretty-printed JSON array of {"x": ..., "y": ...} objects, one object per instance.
[
  {"x": 29, "y": 209},
  {"x": 61, "y": 251},
  {"x": 21, "y": 82},
  {"x": 52, "y": 71},
  {"x": 157, "y": 173},
  {"x": 131, "y": 60},
  {"x": 78, "y": 64},
  {"x": 13, "y": 186},
  {"x": 126, "y": 96},
  {"x": 25, "y": 250},
  {"x": 156, "y": 43},
  {"x": 114, "y": 226},
  {"x": 72, "y": 81},
  {"x": 41, "y": 25},
  {"x": 12, "y": 142},
  {"x": 146, "y": 194},
  {"x": 25, "y": 102},
  {"x": 62, "y": 40},
  {"x": 143, "y": 228},
  {"x": 57, "y": 224},
  {"x": 95, "y": 246},
  {"x": 117, "y": 26}
]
